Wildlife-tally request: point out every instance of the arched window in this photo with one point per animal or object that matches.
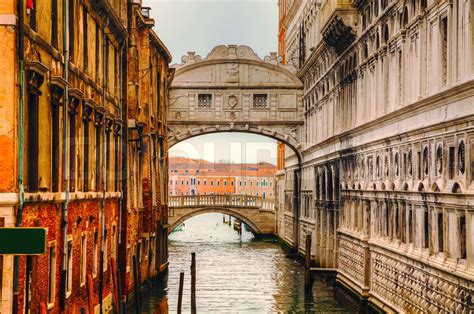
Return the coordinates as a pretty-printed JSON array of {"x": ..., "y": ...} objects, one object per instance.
[
  {"x": 323, "y": 186},
  {"x": 330, "y": 193},
  {"x": 461, "y": 157},
  {"x": 386, "y": 33},
  {"x": 456, "y": 188},
  {"x": 404, "y": 18},
  {"x": 317, "y": 186},
  {"x": 423, "y": 4}
]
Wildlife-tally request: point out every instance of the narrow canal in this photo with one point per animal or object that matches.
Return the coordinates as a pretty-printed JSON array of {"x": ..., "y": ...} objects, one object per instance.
[{"x": 237, "y": 274}]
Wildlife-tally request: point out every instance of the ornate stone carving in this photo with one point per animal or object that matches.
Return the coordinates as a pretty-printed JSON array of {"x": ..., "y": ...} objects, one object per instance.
[
  {"x": 291, "y": 130},
  {"x": 232, "y": 101},
  {"x": 204, "y": 100},
  {"x": 370, "y": 165},
  {"x": 351, "y": 260},
  {"x": 386, "y": 166},
  {"x": 232, "y": 73},
  {"x": 219, "y": 94},
  {"x": 417, "y": 289},
  {"x": 260, "y": 101}
]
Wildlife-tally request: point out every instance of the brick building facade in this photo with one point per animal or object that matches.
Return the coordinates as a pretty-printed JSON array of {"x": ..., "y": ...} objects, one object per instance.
[{"x": 70, "y": 141}]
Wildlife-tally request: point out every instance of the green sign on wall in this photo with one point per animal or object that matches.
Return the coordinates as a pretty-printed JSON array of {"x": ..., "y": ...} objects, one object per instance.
[{"x": 22, "y": 241}]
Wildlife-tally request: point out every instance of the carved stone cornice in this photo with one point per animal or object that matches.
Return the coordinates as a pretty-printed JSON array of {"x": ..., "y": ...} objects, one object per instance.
[
  {"x": 35, "y": 75},
  {"x": 57, "y": 85},
  {"x": 118, "y": 125},
  {"x": 99, "y": 113}
]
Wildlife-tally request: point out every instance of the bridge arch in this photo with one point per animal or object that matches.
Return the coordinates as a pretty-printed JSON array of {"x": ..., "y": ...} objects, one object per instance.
[
  {"x": 233, "y": 90},
  {"x": 256, "y": 230},
  {"x": 256, "y": 212},
  {"x": 190, "y": 133}
]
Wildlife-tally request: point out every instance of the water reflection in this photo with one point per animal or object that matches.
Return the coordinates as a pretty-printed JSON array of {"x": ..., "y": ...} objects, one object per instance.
[{"x": 236, "y": 274}]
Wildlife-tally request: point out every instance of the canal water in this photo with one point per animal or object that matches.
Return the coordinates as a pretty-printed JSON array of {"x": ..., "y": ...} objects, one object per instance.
[{"x": 237, "y": 274}]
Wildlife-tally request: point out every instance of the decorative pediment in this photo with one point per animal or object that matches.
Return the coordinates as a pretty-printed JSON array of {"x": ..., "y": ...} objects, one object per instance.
[{"x": 233, "y": 54}]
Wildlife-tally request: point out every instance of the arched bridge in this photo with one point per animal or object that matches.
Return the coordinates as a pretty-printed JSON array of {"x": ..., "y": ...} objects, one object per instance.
[
  {"x": 233, "y": 90},
  {"x": 256, "y": 212}
]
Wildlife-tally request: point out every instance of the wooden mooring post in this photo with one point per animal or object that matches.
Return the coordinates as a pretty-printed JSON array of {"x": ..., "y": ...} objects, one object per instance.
[
  {"x": 193, "y": 283},
  {"x": 136, "y": 285},
  {"x": 180, "y": 291},
  {"x": 307, "y": 265}
]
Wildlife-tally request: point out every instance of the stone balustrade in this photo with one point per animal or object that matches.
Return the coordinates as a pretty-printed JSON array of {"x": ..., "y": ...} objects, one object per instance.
[
  {"x": 256, "y": 212},
  {"x": 224, "y": 200}
]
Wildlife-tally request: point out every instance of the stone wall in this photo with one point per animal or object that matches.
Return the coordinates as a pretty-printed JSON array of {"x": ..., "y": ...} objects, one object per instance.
[{"x": 388, "y": 154}]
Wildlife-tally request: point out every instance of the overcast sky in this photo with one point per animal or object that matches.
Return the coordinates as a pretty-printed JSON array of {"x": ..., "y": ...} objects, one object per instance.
[{"x": 200, "y": 25}]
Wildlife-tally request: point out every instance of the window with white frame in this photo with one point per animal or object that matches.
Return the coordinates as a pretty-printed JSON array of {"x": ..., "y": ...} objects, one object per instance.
[
  {"x": 83, "y": 259},
  {"x": 69, "y": 265},
  {"x": 95, "y": 254},
  {"x": 52, "y": 273}
]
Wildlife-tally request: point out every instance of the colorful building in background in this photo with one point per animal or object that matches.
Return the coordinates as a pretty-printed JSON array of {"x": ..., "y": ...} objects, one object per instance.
[{"x": 200, "y": 177}]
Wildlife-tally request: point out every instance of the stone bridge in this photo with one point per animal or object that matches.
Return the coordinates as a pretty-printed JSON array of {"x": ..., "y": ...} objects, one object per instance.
[
  {"x": 233, "y": 90},
  {"x": 257, "y": 213}
]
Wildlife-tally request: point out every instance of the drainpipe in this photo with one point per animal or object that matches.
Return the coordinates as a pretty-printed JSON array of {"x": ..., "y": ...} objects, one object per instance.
[
  {"x": 104, "y": 162},
  {"x": 122, "y": 159},
  {"x": 298, "y": 178},
  {"x": 21, "y": 144},
  {"x": 66, "y": 142}
]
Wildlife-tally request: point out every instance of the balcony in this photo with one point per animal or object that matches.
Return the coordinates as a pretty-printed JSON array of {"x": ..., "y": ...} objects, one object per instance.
[{"x": 340, "y": 19}]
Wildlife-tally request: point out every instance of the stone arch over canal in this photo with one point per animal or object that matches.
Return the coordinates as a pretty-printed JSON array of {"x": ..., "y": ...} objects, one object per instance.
[
  {"x": 233, "y": 90},
  {"x": 255, "y": 212}
]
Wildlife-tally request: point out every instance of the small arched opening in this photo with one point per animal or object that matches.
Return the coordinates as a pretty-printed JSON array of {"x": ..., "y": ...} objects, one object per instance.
[
  {"x": 253, "y": 227},
  {"x": 456, "y": 188}
]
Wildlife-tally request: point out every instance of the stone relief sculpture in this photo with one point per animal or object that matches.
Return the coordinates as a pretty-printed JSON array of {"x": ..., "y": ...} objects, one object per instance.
[
  {"x": 232, "y": 101},
  {"x": 291, "y": 131},
  {"x": 232, "y": 73},
  {"x": 191, "y": 57}
]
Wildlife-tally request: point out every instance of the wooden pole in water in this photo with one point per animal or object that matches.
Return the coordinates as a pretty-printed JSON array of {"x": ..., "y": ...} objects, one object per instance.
[
  {"x": 137, "y": 285},
  {"x": 180, "y": 291},
  {"x": 307, "y": 262},
  {"x": 193, "y": 283}
]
